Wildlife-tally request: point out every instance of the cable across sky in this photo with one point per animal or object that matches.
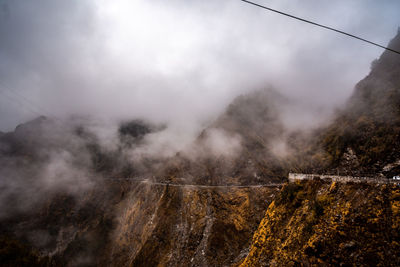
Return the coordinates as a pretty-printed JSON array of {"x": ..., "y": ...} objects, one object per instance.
[{"x": 319, "y": 25}]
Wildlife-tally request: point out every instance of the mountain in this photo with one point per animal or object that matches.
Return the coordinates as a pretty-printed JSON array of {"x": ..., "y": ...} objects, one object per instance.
[
  {"x": 137, "y": 224},
  {"x": 239, "y": 147},
  {"x": 77, "y": 216},
  {"x": 367, "y": 128},
  {"x": 62, "y": 203},
  {"x": 342, "y": 224},
  {"x": 317, "y": 223}
]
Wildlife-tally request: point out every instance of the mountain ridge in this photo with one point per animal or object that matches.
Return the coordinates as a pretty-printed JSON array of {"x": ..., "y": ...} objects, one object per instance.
[{"x": 119, "y": 223}]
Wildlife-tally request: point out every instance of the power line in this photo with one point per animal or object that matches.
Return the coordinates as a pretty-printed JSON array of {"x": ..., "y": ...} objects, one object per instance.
[
  {"x": 319, "y": 25},
  {"x": 15, "y": 100},
  {"x": 37, "y": 109},
  {"x": 26, "y": 100}
]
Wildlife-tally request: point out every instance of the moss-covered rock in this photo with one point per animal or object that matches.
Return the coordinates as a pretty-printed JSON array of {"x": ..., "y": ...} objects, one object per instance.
[{"x": 315, "y": 223}]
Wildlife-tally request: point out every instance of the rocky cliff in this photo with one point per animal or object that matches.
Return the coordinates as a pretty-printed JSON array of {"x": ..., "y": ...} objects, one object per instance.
[
  {"x": 364, "y": 138},
  {"x": 89, "y": 219},
  {"x": 138, "y": 224},
  {"x": 315, "y": 223}
]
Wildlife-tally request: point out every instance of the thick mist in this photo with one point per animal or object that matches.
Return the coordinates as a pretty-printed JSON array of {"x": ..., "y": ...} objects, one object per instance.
[
  {"x": 95, "y": 65},
  {"x": 179, "y": 62},
  {"x": 181, "y": 92}
]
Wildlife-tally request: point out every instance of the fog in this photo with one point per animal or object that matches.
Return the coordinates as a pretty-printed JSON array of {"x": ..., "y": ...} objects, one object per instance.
[
  {"x": 171, "y": 67},
  {"x": 176, "y": 65},
  {"x": 180, "y": 62}
]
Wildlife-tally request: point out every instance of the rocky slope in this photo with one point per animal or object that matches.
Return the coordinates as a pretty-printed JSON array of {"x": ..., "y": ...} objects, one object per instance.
[
  {"x": 180, "y": 226},
  {"x": 88, "y": 219},
  {"x": 238, "y": 148},
  {"x": 139, "y": 224},
  {"x": 316, "y": 223},
  {"x": 364, "y": 138}
]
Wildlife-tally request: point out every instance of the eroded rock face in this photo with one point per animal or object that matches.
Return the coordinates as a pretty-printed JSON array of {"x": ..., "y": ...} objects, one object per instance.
[
  {"x": 119, "y": 223},
  {"x": 182, "y": 226},
  {"x": 329, "y": 224},
  {"x": 139, "y": 224},
  {"x": 369, "y": 124}
]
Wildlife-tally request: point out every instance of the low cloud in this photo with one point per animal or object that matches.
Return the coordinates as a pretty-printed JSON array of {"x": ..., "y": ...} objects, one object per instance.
[
  {"x": 214, "y": 143},
  {"x": 61, "y": 173},
  {"x": 177, "y": 64}
]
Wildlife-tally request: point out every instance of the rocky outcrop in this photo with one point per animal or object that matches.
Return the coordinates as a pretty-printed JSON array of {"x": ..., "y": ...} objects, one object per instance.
[
  {"x": 364, "y": 137},
  {"x": 316, "y": 223},
  {"x": 138, "y": 224},
  {"x": 178, "y": 226}
]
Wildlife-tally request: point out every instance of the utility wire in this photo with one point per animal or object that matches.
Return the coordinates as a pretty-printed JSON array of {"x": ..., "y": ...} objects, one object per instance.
[
  {"x": 26, "y": 100},
  {"x": 38, "y": 110},
  {"x": 15, "y": 100},
  {"x": 319, "y": 25}
]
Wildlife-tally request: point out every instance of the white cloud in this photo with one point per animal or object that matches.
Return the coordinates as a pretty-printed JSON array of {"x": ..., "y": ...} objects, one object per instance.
[{"x": 180, "y": 60}]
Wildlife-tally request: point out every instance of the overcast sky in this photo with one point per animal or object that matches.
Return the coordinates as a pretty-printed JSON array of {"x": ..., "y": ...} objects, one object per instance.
[{"x": 179, "y": 61}]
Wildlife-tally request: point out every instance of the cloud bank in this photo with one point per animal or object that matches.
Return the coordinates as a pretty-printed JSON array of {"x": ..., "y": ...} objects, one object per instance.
[{"x": 179, "y": 62}]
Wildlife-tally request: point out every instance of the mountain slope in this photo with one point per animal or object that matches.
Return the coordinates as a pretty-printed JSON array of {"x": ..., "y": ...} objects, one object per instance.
[
  {"x": 138, "y": 224},
  {"x": 369, "y": 125},
  {"x": 363, "y": 138},
  {"x": 238, "y": 148},
  {"x": 317, "y": 223},
  {"x": 173, "y": 226},
  {"x": 329, "y": 224},
  {"x": 103, "y": 221}
]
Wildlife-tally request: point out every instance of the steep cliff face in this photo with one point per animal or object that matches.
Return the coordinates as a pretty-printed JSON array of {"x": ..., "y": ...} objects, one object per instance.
[
  {"x": 138, "y": 224},
  {"x": 315, "y": 223},
  {"x": 122, "y": 223},
  {"x": 65, "y": 230},
  {"x": 185, "y": 226},
  {"x": 365, "y": 138},
  {"x": 85, "y": 219}
]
